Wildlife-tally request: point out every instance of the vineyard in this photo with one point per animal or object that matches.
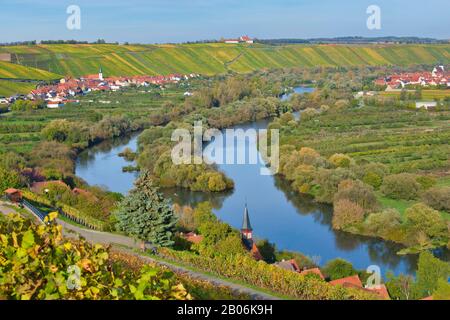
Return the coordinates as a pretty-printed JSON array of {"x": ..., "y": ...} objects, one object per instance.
[{"x": 209, "y": 59}]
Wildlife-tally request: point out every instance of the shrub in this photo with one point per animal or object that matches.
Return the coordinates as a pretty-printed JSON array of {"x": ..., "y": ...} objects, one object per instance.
[
  {"x": 346, "y": 213},
  {"x": 437, "y": 198},
  {"x": 373, "y": 179},
  {"x": 401, "y": 186}
]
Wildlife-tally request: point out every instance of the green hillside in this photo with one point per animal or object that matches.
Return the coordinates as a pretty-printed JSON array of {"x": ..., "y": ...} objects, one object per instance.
[
  {"x": 15, "y": 71},
  {"x": 10, "y": 88},
  {"x": 215, "y": 58}
]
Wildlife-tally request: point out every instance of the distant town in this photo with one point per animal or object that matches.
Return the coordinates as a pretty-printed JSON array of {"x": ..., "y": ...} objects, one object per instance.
[
  {"x": 57, "y": 95},
  {"x": 437, "y": 77}
]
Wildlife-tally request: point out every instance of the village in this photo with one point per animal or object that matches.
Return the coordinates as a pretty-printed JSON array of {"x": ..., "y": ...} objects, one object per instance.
[
  {"x": 59, "y": 94},
  {"x": 437, "y": 77}
]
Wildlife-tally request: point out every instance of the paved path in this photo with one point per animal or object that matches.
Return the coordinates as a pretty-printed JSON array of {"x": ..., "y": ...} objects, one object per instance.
[{"x": 112, "y": 239}]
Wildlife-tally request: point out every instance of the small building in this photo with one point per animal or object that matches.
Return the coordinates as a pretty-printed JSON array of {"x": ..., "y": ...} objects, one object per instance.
[
  {"x": 426, "y": 104},
  {"x": 13, "y": 195}
]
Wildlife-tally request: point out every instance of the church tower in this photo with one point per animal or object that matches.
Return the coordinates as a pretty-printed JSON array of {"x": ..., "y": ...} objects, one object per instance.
[
  {"x": 246, "y": 230},
  {"x": 100, "y": 74}
]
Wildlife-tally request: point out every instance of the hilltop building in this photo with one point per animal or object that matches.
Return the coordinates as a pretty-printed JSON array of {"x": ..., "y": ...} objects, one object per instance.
[{"x": 243, "y": 39}]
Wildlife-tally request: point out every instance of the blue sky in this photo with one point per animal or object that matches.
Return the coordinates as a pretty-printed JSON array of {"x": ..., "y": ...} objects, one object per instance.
[{"x": 157, "y": 21}]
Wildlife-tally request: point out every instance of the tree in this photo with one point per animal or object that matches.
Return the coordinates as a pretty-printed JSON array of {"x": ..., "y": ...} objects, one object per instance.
[
  {"x": 400, "y": 287},
  {"x": 346, "y": 213},
  {"x": 339, "y": 268},
  {"x": 8, "y": 179},
  {"x": 421, "y": 218},
  {"x": 357, "y": 192},
  {"x": 401, "y": 186},
  {"x": 430, "y": 270},
  {"x": 340, "y": 160},
  {"x": 383, "y": 222},
  {"x": 145, "y": 214},
  {"x": 443, "y": 290},
  {"x": 437, "y": 198},
  {"x": 267, "y": 250}
]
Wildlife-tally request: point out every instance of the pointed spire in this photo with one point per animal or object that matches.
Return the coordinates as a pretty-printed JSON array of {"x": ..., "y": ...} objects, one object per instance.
[{"x": 246, "y": 222}]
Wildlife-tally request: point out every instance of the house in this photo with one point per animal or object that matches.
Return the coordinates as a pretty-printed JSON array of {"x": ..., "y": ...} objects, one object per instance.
[
  {"x": 426, "y": 104},
  {"x": 380, "y": 290},
  {"x": 247, "y": 236},
  {"x": 246, "y": 39},
  {"x": 242, "y": 39},
  {"x": 13, "y": 195}
]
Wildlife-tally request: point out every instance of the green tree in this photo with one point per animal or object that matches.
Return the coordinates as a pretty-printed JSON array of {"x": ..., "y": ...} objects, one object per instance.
[
  {"x": 400, "y": 287},
  {"x": 8, "y": 179},
  {"x": 430, "y": 270},
  {"x": 443, "y": 290},
  {"x": 421, "y": 218},
  {"x": 339, "y": 268},
  {"x": 401, "y": 186},
  {"x": 145, "y": 214}
]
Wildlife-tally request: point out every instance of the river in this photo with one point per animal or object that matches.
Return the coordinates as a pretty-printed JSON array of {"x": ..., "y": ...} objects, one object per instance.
[{"x": 287, "y": 219}]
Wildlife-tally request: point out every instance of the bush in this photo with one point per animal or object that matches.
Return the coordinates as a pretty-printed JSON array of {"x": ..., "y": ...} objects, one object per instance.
[
  {"x": 426, "y": 182},
  {"x": 346, "y": 213},
  {"x": 437, "y": 198},
  {"x": 401, "y": 186}
]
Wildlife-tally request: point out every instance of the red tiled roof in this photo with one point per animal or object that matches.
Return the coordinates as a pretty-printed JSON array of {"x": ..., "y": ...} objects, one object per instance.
[
  {"x": 11, "y": 191},
  {"x": 192, "y": 237},
  {"x": 428, "y": 298},
  {"x": 352, "y": 281}
]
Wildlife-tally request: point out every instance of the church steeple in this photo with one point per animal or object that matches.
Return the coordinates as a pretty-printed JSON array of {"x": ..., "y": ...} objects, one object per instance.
[
  {"x": 246, "y": 229},
  {"x": 100, "y": 74}
]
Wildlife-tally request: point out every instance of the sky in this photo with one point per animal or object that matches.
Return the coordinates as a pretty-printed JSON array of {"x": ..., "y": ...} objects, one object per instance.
[{"x": 162, "y": 21}]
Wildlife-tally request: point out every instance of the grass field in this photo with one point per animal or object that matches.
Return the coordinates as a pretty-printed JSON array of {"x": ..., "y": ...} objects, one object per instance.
[{"x": 209, "y": 59}]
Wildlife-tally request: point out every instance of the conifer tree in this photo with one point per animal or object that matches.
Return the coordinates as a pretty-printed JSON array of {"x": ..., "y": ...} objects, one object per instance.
[{"x": 146, "y": 215}]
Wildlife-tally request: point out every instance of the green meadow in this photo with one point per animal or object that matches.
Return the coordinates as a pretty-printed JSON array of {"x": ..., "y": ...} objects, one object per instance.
[{"x": 214, "y": 58}]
